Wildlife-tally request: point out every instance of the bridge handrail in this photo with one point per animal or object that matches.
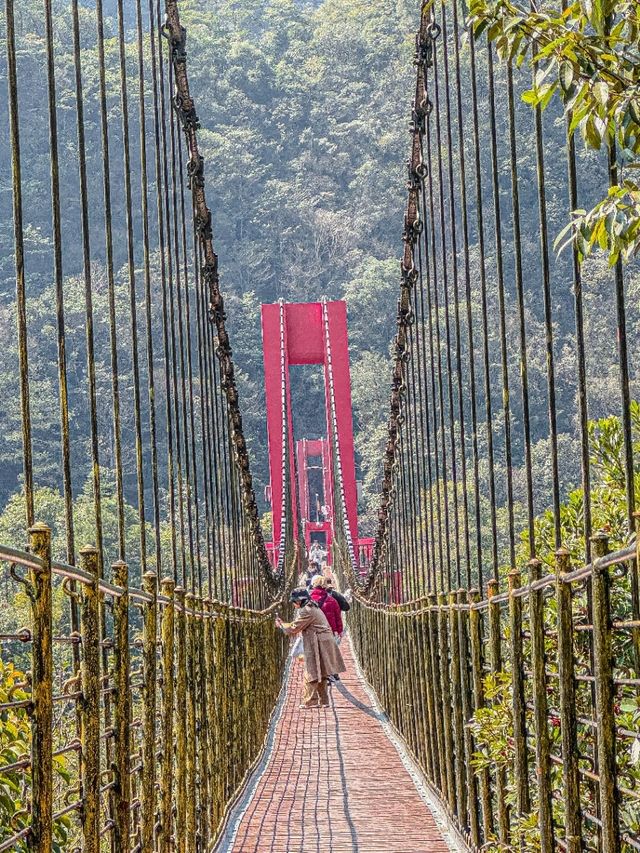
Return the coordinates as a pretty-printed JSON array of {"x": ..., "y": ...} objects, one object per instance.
[
  {"x": 187, "y": 637},
  {"x": 18, "y": 556},
  {"x": 467, "y": 666},
  {"x": 414, "y": 606}
]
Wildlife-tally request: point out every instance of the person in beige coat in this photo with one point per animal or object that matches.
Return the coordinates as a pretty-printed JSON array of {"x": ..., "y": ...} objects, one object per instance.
[{"x": 322, "y": 656}]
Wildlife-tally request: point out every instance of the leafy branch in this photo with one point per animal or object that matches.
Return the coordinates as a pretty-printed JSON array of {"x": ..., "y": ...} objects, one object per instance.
[{"x": 586, "y": 54}]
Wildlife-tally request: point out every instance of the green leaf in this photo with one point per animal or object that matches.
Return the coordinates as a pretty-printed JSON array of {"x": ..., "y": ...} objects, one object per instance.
[
  {"x": 494, "y": 30},
  {"x": 577, "y": 118},
  {"x": 547, "y": 94},
  {"x": 597, "y": 15},
  {"x": 590, "y": 133},
  {"x": 515, "y": 46},
  {"x": 601, "y": 92},
  {"x": 600, "y": 234},
  {"x": 479, "y": 28},
  {"x": 566, "y": 75}
]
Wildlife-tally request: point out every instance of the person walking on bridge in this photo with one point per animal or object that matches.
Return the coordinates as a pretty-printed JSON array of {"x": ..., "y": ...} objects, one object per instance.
[
  {"x": 328, "y": 604},
  {"x": 342, "y": 600},
  {"x": 322, "y": 656},
  {"x": 307, "y": 576}
]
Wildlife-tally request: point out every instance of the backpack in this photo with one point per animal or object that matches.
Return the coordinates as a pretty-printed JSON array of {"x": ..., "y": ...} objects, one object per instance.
[{"x": 342, "y": 601}]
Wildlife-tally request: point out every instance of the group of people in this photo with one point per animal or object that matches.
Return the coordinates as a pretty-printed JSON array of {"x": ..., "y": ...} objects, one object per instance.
[{"x": 318, "y": 629}]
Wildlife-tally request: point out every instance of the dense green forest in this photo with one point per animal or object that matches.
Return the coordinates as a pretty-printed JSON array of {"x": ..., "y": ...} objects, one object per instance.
[
  {"x": 304, "y": 110},
  {"x": 303, "y": 107}
]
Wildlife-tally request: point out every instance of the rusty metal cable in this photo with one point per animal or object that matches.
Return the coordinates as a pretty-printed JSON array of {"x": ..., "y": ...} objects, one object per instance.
[
  {"x": 132, "y": 286},
  {"x": 19, "y": 255},
  {"x": 164, "y": 246},
  {"x": 148, "y": 302}
]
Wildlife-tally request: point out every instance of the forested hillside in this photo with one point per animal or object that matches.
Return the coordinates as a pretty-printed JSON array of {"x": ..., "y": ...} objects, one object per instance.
[
  {"x": 304, "y": 114},
  {"x": 304, "y": 109}
]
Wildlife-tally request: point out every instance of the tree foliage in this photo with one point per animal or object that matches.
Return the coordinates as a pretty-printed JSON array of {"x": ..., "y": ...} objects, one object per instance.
[
  {"x": 15, "y": 745},
  {"x": 304, "y": 108},
  {"x": 585, "y": 53}
]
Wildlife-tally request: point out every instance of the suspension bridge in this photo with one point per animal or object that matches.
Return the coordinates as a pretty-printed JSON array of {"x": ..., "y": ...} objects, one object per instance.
[{"x": 148, "y": 701}]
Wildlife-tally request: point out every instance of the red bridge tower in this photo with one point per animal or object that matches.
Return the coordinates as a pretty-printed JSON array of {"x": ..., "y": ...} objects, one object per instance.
[{"x": 304, "y": 333}]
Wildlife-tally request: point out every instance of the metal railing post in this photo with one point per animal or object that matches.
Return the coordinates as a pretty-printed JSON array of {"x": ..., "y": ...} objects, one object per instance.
[
  {"x": 180, "y": 721},
  {"x": 467, "y": 712},
  {"x": 568, "y": 723},
  {"x": 39, "y": 587},
  {"x": 475, "y": 634},
  {"x": 208, "y": 710},
  {"x": 495, "y": 650},
  {"x": 192, "y": 798},
  {"x": 541, "y": 725},
  {"x": 605, "y": 692},
  {"x": 90, "y": 704},
  {"x": 432, "y": 767},
  {"x": 166, "y": 762},
  {"x": 456, "y": 700},
  {"x": 202, "y": 724},
  {"x": 432, "y": 622},
  {"x": 518, "y": 703},
  {"x": 121, "y": 711},
  {"x": 220, "y": 712},
  {"x": 149, "y": 681},
  {"x": 445, "y": 680}
]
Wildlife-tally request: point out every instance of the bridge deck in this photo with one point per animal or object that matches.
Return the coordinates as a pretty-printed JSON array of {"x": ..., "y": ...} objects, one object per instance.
[{"x": 332, "y": 782}]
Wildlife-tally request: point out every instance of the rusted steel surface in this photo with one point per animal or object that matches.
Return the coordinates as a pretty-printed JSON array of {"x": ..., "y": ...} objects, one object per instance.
[
  {"x": 38, "y": 587},
  {"x": 90, "y": 706}
]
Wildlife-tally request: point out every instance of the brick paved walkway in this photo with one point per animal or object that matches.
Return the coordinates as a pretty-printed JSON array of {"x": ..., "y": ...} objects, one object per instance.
[{"x": 333, "y": 783}]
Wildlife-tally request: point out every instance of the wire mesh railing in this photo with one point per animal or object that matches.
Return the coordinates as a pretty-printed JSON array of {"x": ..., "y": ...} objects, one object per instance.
[
  {"x": 138, "y": 674},
  {"x": 521, "y": 707},
  {"x": 141, "y": 742},
  {"x": 498, "y": 630}
]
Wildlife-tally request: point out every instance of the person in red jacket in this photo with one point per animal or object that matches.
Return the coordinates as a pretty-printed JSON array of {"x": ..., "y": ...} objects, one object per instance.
[{"x": 327, "y": 604}]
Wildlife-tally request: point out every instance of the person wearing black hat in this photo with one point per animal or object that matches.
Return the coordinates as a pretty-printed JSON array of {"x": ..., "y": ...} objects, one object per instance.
[{"x": 322, "y": 656}]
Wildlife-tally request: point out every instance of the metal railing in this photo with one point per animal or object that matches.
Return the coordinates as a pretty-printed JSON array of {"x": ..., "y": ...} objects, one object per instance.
[
  {"x": 137, "y": 694},
  {"x": 520, "y": 708},
  {"x": 165, "y": 712}
]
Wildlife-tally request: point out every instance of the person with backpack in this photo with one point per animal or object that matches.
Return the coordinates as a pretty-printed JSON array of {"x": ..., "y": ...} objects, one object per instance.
[
  {"x": 327, "y": 603},
  {"x": 331, "y": 609},
  {"x": 339, "y": 597}
]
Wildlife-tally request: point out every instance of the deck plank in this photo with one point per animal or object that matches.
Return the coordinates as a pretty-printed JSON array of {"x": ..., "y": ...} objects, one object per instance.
[{"x": 334, "y": 783}]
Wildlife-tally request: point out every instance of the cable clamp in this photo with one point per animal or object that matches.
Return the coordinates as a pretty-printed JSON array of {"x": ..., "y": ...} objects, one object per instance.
[
  {"x": 409, "y": 276},
  {"x": 186, "y": 111},
  {"x": 203, "y": 226},
  {"x": 424, "y": 50},
  {"x": 195, "y": 171},
  {"x": 178, "y": 43},
  {"x": 412, "y": 230}
]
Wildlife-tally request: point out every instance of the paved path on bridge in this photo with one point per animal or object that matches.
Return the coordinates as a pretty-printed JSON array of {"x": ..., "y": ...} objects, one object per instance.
[{"x": 332, "y": 782}]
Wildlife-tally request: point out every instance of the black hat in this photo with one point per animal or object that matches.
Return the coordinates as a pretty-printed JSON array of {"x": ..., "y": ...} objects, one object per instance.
[{"x": 300, "y": 594}]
